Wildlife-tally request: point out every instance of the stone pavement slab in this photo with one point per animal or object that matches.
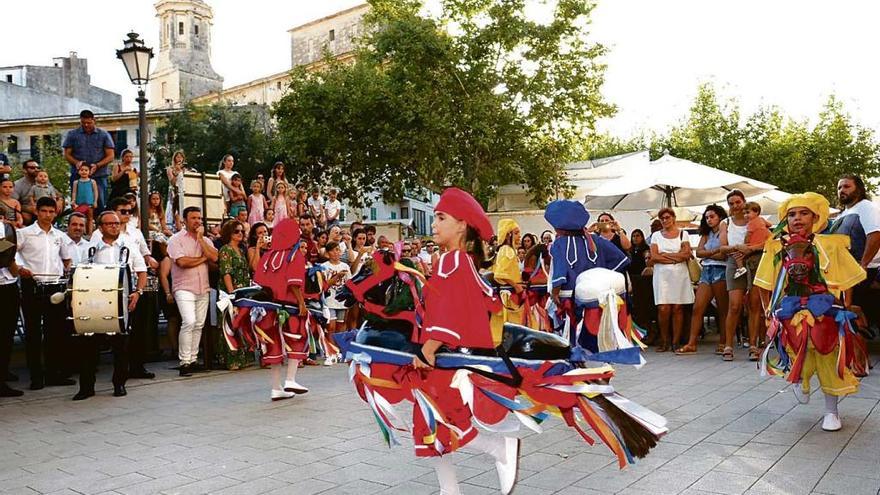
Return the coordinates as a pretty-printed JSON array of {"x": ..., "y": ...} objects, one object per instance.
[{"x": 732, "y": 432}]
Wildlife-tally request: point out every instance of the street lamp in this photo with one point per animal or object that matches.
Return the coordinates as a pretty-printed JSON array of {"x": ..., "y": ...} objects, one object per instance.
[{"x": 136, "y": 58}]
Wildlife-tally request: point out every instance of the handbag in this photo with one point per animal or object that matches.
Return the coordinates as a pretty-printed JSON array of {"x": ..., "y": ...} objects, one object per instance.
[{"x": 695, "y": 269}]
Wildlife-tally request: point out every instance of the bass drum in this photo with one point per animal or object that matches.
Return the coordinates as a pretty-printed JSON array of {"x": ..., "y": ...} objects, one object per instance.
[{"x": 99, "y": 298}]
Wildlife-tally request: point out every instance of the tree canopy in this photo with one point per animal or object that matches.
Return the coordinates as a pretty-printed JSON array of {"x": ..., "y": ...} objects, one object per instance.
[
  {"x": 477, "y": 95},
  {"x": 766, "y": 145}
]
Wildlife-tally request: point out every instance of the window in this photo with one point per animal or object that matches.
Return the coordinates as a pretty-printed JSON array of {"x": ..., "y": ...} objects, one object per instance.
[
  {"x": 9, "y": 77},
  {"x": 373, "y": 214},
  {"x": 120, "y": 139},
  {"x": 419, "y": 221},
  {"x": 332, "y": 34},
  {"x": 164, "y": 89},
  {"x": 404, "y": 212},
  {"x": 180, "y": 28},
  {"x": 278, "y": 85},
  {"x": 12, "y": 144},
  {"x": 393, "y": 215},
  {"x": 196, "y": 29}
]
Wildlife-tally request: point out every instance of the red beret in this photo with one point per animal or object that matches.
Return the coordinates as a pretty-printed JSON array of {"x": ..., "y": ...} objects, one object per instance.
[{"x": 464, "y": 207}]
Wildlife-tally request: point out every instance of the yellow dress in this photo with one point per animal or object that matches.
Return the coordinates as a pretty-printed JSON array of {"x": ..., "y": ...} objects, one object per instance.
[
  {"x": 841, "y": 272},
  {"x": 506, "y": 272}
]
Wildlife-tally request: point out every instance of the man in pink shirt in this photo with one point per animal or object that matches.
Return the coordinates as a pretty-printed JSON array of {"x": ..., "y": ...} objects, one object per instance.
[{"x": 190, "y": 251}]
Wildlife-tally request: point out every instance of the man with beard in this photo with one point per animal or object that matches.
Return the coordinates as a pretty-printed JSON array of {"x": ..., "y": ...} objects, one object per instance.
[{"x": 860, "y": 220}]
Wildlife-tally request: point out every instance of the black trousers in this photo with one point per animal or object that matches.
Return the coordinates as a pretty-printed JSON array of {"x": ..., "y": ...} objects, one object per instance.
[
  {"x": 45, "y": 330},
  {"x": 89, "y": 348},
  {"x": 9, "y": 308}
]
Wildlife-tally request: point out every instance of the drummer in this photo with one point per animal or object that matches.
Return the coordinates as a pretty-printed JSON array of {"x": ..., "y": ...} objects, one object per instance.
[
  {"x": 107, "y": 252},
  {"x": 43, "y": 255},
  {"x": 135, "y": 238},
  {"x": 9, "y": 308}
]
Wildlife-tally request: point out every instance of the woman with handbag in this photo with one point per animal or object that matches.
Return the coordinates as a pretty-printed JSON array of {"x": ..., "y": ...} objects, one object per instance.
[
  {"x": 711, "y": 284},
  {"x": 670, "y": 251}
]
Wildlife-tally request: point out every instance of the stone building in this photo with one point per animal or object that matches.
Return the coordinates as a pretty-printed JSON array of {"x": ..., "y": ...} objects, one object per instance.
[
  {"x": 63, "y": 88},
  {"x": 183, "y": 67},
  {"x": 335, "y": 33}
]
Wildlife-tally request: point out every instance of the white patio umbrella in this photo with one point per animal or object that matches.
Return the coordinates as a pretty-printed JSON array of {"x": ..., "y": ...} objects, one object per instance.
[{"x": 671, "y": 181}]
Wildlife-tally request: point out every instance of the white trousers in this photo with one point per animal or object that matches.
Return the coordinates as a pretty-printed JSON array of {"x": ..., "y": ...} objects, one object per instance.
[{"x": 193, "y": 309}]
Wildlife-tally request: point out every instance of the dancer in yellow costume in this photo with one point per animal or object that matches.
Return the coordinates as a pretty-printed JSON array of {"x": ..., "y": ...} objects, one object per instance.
[
  {"x": 508, "y": 278},
  {"x": 806, "y": 277}
]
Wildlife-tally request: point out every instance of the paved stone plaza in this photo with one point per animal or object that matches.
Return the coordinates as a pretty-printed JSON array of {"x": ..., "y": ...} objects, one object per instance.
[{"x": 218, "y": 433}]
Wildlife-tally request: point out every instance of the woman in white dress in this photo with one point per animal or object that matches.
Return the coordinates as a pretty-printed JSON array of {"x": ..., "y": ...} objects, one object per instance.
[{"x": 670, "y": 252}]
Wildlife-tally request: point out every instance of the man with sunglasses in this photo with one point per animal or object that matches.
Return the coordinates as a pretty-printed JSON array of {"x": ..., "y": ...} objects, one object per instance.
[
  {"x": 135, "y": 239},
  {"x": 22, "y": 186},
  {"x": 108, "y": 245}
]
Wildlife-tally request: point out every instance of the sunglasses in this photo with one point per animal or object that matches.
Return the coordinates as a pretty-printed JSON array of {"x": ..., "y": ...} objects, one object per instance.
[
  {"x": 124, "y": 212},
  {"x": 238, "y": 231}
]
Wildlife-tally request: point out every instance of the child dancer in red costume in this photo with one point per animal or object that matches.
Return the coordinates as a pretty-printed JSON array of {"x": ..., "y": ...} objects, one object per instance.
[{"x": 457, "y": 306}]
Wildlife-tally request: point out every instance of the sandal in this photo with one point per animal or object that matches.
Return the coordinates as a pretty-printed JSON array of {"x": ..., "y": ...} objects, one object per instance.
[
  {"x": 719, "y": 349},
  {"x": 686, "y": 350},
  {"x": 662, "y": 348},
  {"x": 727, "y": 355},
  {"x": 754, "y": 355}
]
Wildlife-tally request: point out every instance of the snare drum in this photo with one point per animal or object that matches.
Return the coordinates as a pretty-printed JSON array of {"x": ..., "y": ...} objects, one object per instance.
[
  {"x": 152, "y": 284},
  {"x": 99, "y": 298}
]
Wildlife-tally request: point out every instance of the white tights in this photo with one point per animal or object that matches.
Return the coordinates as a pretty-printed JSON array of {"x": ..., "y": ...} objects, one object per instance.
[
  {"x": 292, "y": 366},
  {"x": 489, "y": 444}
]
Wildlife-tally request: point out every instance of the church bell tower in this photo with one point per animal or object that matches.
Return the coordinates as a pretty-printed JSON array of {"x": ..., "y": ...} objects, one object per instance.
[{"x": 183, "y": 70}]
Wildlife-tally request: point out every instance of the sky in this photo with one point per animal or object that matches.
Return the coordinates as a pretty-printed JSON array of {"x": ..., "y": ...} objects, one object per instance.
[{"x": 789, "y": 53}]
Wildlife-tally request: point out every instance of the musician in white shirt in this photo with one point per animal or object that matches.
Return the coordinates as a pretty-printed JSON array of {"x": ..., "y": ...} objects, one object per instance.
[
  {"x": 43, "y": 255},
  {"x": 109, "y": 248},
  {"x": 79, "y": 245},
  {"x": 9, "y": 307}
]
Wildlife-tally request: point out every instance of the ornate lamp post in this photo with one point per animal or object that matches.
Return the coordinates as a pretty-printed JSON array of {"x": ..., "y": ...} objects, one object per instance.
[{"x": 136, "y": 58}]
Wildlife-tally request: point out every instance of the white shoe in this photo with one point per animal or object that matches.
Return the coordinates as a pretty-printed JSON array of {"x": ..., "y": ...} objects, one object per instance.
[
  {"x": 798, "y": 390},
  {"x": 831, "y": 422},
  {"x": 508, "y": 465},
  {"x": 281, "y": 394},
  {"x": 740, "y": 272},
  {"x": 330, "y": 360},
  {"x": 292, "y": 386}
]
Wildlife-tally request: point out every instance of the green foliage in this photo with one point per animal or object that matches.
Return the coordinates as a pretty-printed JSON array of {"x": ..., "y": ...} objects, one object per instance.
[
  {"x": 478, "y": 96},
  {"x": 207, "y": 133},
  {"x": 765, "y": 145}
]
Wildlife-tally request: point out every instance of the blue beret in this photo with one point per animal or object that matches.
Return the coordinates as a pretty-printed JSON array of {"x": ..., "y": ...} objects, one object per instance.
[{"x": 566, "y": 214}]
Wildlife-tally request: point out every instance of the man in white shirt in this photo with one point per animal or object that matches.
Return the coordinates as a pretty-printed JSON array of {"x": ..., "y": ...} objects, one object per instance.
[
  {"x": 43, "y": 255},
  {"x": 332, "y": 208},
  {"x": 79, "y": 245},
  {"x": 108, "y": 247},
  {"x": 9, "y": 307},
  {"x": 860, "y": 220}
]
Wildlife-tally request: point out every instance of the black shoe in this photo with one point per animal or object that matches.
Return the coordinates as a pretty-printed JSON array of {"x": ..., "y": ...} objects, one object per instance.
[
  {"x": 119, "y": 391},
  {"x": 198, "y": 368},
  {"x": 37, "y": 384},
  {"x": 60, "y": 382},
  {"x": 6, "y": 391},
  {"x": 185, "y": 370},
  {"x": 142, "y": 373},
  {"x": 11, "y": 377},
  {"x": 84, "y": 394}
]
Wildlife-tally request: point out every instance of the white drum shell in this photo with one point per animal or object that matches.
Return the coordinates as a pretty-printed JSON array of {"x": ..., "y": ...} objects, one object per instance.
[
  {"x": 592, "y": 283},
  {"x": 99, "y": 299}
]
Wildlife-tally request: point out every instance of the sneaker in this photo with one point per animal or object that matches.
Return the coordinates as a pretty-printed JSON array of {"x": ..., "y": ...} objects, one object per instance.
[
  {"x": 799, "y": 394},
  {"x": 282, "y": 394},
  {"x": 292, "y": 386},
  {"x": 740, "y": 272},
  {"x": 508, "y": 465},
  {"x": 831, "y": 422},
  {"x": 330, "y": 361}
]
